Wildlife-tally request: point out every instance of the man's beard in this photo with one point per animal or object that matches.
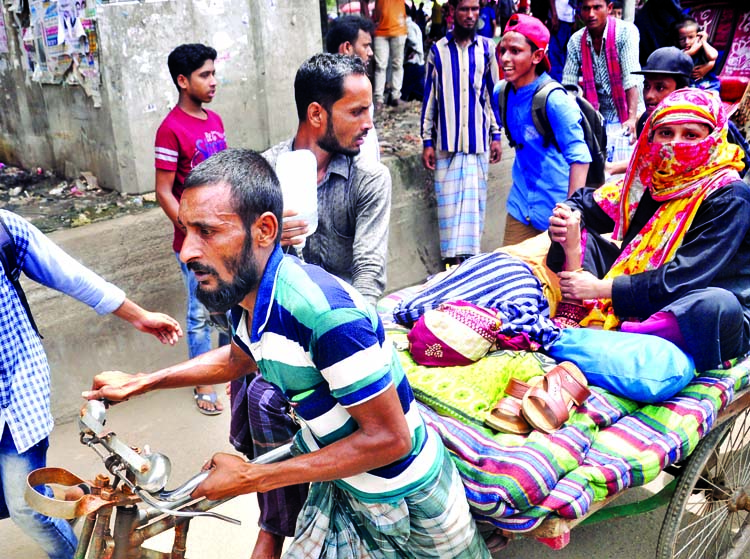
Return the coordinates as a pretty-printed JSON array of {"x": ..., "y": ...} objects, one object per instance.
[
  {"x": 331, "y": 144},
  {"x": 229, "y": 294},
  {"x": 461, "y": 33}
]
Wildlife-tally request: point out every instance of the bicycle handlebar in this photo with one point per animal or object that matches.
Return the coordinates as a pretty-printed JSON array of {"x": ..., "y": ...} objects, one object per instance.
[{"x": 151, "y": 470}]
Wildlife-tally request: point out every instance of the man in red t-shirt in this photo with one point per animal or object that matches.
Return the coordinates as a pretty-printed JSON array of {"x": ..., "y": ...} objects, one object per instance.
[{"x": 188, "y": 135}]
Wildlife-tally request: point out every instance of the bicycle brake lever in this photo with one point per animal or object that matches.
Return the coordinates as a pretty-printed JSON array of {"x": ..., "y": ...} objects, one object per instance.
[{"x": 149, "y": 500}]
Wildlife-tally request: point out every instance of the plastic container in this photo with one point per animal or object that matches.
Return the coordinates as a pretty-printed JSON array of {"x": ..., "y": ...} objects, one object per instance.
[{"x": 298, "y": 174}]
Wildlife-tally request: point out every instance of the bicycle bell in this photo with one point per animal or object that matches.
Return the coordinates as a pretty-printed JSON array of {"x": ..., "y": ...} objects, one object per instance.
[{"x": 155, "y": 478}]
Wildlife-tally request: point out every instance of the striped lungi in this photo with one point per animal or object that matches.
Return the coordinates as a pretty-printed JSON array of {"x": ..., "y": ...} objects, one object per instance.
[
  {"x": 461, "y": 190},
  {"x": 432, "y": 522}
]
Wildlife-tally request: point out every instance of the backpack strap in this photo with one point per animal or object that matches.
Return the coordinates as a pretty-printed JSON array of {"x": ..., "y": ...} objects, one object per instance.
[
  {"x": 12, "y": 270},
  {"x": 539, "y": 111},
  {"x": 502, "y": 91}
]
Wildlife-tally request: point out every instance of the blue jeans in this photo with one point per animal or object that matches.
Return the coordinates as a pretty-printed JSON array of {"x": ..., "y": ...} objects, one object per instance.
[
  {"x": 558, "y": 49},
  {"x": 54, "y": 535},
  {"x": 198, "y": 319}
]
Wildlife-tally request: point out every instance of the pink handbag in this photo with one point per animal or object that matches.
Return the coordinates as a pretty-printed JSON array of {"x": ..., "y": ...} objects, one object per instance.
[{"x": 455, "y": 333}]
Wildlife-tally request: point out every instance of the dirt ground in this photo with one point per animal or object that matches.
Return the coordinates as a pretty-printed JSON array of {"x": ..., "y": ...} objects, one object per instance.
[
  {"x": 54, "y": 202},
  {"x": 398, "y": 131}
]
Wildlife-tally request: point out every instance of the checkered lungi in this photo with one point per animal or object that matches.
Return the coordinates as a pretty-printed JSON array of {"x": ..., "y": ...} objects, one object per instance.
[
  {"x": 461, "y": 190},
  {"x": 433, "y": 522},
  {"x": 261, "y": 423}
]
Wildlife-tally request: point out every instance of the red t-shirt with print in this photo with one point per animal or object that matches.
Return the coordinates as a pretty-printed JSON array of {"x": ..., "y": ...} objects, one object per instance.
[{"x": 183, "y": 141}]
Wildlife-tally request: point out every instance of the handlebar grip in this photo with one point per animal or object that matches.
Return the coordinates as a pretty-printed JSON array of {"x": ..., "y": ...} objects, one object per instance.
[
  {"x": 275, "y": 455},
  {"x": 183, "y": 492}
]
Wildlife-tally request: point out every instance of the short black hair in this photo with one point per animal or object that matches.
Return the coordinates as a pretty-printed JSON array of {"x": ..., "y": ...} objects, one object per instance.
[
  {"x": 681, "y": 82},
  {"x": 320, "y": 79},
  {"x": 186, "y": 59},
  {"x": 346, "y": 29},
  {"x": 685, "y": 22},
  {"x": 254, "y": 186}
]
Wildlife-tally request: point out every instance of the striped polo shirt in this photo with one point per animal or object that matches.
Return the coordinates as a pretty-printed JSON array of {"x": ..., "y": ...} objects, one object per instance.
[{"x": 317, "y": 340}]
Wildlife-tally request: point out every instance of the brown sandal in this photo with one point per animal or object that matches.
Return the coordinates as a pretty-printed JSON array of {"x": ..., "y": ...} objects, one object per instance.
[
  {"x": 546, "y": 406},
  {"x": 506, "y": 416}
]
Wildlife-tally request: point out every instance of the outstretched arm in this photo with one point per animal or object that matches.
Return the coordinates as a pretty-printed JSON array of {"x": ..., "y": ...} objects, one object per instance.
[
  {"x": 214, "y": 367},
  {"x": 160, "y": 325},
  {"x": 382, "y": 438}
]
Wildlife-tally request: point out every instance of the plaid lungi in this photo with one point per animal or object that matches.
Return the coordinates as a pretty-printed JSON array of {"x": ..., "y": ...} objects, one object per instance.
[
  {"x": 461, "y": 190},
  {"x": 432, "y": 522},
  {"x": 261, "y": 423}
]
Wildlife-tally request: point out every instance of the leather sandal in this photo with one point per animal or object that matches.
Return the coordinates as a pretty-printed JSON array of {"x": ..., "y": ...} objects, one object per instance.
[
  {"x": 546, "y": 406},
  {"x": 506, "y": 415}
]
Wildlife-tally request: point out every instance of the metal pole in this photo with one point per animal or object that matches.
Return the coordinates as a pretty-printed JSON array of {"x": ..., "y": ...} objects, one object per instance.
[
  {"x": 125, "y": 521},
  {"x": 85, "y": 539}
]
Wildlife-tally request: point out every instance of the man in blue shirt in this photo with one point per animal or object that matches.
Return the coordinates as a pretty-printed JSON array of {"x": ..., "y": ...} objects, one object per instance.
[
  {"x": 383, "y": 483},
  {"x": 542, "y": 175},
  {"x": 487, "y": 21},
  {"x": 25, "y": 416}
]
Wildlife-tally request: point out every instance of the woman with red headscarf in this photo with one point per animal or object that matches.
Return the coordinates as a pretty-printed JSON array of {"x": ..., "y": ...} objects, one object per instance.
[{"x": 679, "y": 266}]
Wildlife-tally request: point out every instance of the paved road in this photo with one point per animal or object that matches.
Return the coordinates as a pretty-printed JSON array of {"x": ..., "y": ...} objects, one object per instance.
[{"x": 169, "y": 423}]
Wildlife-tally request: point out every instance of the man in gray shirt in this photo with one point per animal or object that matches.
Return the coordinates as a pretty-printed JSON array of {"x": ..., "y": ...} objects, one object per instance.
[
  {"x": 333, "y": 97},
  {"x": 354, "y": 194}
]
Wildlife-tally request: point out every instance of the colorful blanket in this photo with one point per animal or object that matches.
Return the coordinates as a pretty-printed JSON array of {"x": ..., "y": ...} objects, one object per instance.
[
  {"x": 609, "y": 444},
  {"x": 516, "y": 482}
]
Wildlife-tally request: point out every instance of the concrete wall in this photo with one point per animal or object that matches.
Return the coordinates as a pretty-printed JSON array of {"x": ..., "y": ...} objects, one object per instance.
[
  {"x": 134, "y": 253},
  {"x": 58, "y": 127},
  {"x": 414, "y": 242}
]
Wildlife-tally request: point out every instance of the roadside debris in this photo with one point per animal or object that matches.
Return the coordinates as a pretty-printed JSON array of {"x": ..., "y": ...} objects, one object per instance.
[{"x": 52, "y": 202}]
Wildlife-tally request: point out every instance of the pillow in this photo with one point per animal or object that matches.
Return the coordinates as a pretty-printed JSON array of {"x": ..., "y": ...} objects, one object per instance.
[
  {"x": 640, "y": 367},
  {"x": 455, "y": 333}
]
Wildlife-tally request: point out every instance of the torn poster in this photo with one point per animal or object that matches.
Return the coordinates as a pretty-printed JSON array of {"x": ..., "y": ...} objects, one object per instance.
[{"x": 3, "y": 35}]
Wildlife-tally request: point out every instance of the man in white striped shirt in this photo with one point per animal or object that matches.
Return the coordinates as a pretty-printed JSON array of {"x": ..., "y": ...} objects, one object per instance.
[{"x": 460, "y": 131}]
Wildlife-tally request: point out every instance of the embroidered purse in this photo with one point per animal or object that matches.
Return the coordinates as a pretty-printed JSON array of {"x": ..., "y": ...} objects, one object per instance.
[{"x": 455, "y": 333}]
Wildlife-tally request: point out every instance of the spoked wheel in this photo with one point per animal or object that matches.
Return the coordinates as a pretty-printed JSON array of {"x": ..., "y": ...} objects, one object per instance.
[{"x": 708, "y": 515}]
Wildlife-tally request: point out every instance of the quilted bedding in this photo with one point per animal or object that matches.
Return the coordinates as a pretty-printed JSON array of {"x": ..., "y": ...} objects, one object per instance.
[{"x": 609, "y": 444}]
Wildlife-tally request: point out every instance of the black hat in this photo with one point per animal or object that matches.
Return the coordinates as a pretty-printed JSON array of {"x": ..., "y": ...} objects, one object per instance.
[{"x": 670, "y": 61}]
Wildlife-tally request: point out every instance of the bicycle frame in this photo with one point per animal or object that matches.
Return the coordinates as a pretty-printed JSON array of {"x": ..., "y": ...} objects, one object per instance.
[{"x": 129, "y": 506}]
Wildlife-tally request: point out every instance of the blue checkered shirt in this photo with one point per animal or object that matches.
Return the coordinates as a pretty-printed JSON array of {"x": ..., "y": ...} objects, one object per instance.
[{"x": 24, "y": 371}]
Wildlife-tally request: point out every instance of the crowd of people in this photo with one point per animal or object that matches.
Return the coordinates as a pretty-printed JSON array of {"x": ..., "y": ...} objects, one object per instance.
[{"x": 661, "y": 248}]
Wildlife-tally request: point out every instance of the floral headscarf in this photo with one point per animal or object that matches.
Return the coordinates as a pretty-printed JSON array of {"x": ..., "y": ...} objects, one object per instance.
[{"x": 679, "y": 174}]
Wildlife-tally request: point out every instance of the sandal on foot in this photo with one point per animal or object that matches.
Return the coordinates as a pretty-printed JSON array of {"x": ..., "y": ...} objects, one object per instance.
[
  {"x": 506, "y": 416},
  {"x": 210, "y": 398},
  {"x": 547, "y": 405}
]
